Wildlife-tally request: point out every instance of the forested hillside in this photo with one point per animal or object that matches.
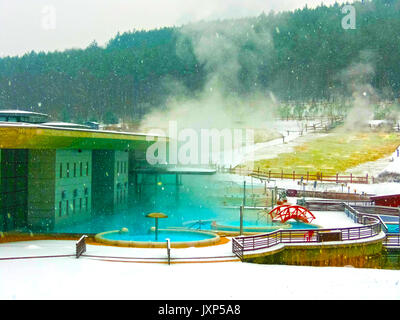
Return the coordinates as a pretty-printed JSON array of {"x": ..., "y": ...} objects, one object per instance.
[{"x": 300, "y": 56}]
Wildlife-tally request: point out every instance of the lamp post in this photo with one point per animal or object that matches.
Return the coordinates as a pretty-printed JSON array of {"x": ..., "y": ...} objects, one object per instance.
[
  {"x": 156, "y": 216},
  {"x": 242, "y": 207}
]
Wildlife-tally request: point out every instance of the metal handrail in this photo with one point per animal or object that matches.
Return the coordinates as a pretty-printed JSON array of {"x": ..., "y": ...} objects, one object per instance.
[
  {"x": 392, "y": 240},
  {"x": 371, "y": 227}
]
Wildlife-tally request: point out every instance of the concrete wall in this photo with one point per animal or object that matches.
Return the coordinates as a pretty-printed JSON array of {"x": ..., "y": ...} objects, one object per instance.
[
  {"x": 55, "y": 188},
  {"x": 110, "y": 181},
  {"x": 73, "y": 186},
  {"x": 59, "y": 192},
  {"x": 13, "y": 188},
  {"x": 355, "y": 254},
  {"x": 41, "y": 186},
  {"x": 121, "y": 173}
]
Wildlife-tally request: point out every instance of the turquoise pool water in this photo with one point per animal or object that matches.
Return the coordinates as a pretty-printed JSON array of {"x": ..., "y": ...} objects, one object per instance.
[
  {"x": 394, "y": 228},
  {"x": 162, "y": 236},
  {"x": 252, "y": 223}
]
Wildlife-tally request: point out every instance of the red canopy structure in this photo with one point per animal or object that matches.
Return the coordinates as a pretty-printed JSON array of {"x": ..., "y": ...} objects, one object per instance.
[{"x": 286, "y": 212}]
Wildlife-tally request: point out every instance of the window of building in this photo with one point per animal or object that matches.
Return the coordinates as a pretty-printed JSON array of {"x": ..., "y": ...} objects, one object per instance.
[
  {"x": 67, "y": 169},
  {"x": 74, "y": 169},
  {"x": 80, "y": 204},
  {"x": 67, "y": 208},
  {"x": 87, "y": 169},
  {"x": 60, "y": 209},
  {"x": 81, "y": 168},
  {"x": 74, "y": 206},
  {"x": 61, "y": 170}
]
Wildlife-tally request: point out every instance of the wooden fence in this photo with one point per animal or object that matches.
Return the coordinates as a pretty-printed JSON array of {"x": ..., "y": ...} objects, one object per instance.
[
  {"x": 306, "y": 177},
  {"x": 328, "y": 195}
]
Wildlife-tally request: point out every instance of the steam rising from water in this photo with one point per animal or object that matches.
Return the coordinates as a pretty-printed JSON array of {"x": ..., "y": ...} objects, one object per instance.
[
  {"x": 230, "y": 52},
  {"x": 361, "y": 95}
]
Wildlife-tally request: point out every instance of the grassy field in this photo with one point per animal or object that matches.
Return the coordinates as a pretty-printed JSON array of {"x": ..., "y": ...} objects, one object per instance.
[{"x": 334, "y": 153}]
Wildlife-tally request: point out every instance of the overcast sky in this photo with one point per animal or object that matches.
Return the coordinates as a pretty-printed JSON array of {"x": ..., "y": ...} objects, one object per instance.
[{"x": 48, "y": 25}]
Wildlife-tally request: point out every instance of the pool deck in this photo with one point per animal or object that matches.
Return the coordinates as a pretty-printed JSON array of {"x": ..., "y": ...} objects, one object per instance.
[
  {"x": 61, "y": 248},
  {"x": 216, "y": 253}
]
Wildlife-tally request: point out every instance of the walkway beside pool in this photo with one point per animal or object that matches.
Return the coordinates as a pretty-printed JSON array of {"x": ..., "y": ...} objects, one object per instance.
[
  {"x": 217, "y": 253},
  {"x": 42, "y": 249},
  {"x": 89, "y": 278}
]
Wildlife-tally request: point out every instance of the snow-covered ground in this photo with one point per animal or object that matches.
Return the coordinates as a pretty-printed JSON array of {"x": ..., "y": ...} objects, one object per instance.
[
  {"x": 91, "y": 278},
  {"x": 292, "y": 133},
  {"x": 130, "y": 275},
  {"x": 394, "y": 162},
  {"x": 107, "y": 272},
  {"x": 390, "y": 164}
]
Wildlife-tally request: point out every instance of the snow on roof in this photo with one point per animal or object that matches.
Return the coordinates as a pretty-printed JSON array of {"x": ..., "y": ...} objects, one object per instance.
[
  {"x": 84, "y": 128},
  {"x": 22, "y": 112},
  {"x": 65, "y": 124}
]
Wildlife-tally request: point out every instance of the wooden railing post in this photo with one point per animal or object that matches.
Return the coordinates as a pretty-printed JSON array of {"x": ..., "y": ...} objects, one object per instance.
[
  {"x": 168, "y": 251},
  {"x": 81, "y": 246}
]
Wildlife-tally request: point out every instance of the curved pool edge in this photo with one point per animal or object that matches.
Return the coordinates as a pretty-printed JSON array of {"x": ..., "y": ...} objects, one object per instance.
[
  {"x": 152, "y": 244},
  {"x": 233, "y": 230}
]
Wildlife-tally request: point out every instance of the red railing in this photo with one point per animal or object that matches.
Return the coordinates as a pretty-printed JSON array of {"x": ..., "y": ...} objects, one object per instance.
[{"x": 372, "y": 227}]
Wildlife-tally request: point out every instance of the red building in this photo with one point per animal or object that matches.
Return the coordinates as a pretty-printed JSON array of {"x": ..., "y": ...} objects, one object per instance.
[{"x": 392, "y": 200}]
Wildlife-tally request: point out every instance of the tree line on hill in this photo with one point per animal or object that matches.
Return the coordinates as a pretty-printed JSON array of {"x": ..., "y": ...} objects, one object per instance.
[{"x": 307, "y": 55}]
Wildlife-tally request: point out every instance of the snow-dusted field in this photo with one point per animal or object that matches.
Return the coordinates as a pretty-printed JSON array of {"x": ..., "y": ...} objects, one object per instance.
[{"x": 376, "y": 188}]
